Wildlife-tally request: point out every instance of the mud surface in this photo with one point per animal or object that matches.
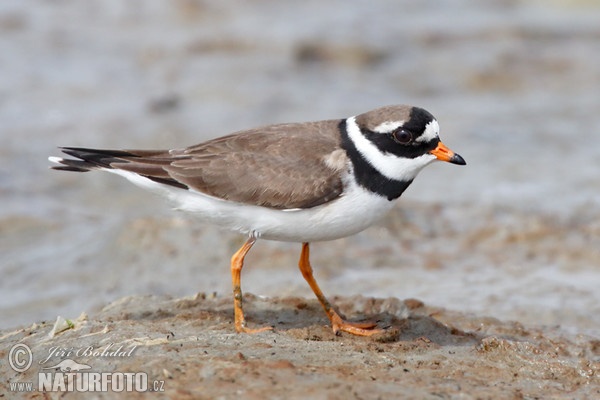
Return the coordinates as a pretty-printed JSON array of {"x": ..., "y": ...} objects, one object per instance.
[{"x": 187, "y": 346}]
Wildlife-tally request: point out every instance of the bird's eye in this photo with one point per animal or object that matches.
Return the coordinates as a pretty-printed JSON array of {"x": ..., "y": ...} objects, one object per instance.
[{"x": 402, "y": 136}]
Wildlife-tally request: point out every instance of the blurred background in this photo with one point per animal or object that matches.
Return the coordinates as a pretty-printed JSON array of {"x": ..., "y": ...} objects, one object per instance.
[{"x": 514, "y": 84}]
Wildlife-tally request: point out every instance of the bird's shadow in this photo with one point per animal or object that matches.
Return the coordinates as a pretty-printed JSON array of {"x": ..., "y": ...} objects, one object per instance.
[{"x": 305, "y": 319}]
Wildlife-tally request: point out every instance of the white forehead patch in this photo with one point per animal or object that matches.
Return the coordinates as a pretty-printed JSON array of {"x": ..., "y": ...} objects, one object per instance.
[
  {"x": 432, "y": 131},
  {"x": 388, "y": 126}
]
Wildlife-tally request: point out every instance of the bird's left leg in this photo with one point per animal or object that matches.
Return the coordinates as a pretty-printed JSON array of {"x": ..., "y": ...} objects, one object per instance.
[{"x": 337, "y": 323}]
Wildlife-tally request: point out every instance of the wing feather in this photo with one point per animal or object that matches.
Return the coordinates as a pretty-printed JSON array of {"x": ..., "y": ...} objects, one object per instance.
[{"x": 280, "y": 166}]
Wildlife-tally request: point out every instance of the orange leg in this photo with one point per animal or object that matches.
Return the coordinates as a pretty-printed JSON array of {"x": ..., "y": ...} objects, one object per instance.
[
  {"x": 337, "y": 323},
  {"x": 237, "y": 262}
]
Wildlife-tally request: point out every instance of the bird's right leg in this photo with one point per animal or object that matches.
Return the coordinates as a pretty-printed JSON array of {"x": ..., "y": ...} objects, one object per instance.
[{"x": 237, "y": 262}]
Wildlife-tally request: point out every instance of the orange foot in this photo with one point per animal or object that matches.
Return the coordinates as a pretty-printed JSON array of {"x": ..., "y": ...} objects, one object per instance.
[
  {"x": 355, "y": 328},
  {"x": 242, "y": 328}
]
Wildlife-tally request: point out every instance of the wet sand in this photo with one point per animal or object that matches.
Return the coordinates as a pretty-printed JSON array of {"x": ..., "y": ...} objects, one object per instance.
[{"x": 189, "y": 351}]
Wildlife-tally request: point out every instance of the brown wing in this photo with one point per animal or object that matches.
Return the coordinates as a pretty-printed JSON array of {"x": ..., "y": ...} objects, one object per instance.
[{"x": 278, "y": 166}]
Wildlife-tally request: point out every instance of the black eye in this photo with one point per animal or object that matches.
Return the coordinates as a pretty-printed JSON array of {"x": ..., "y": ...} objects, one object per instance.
[{"x": 402, "y": 136}]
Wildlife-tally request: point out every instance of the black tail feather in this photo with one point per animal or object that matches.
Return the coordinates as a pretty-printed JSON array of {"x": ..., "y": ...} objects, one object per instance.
[
  {"x": 146, "y": 163},
  {"x": 70, "y": 165},
  {"x": 94, "y": 157},
  {"x": 88, "y": 159}
]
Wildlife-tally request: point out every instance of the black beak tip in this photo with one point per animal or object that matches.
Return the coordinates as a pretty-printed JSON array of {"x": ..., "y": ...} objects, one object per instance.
[{"x": 458, "y": 160}]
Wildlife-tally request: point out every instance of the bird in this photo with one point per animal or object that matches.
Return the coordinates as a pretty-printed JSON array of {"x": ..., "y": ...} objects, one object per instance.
[{"x": 295, "y": 182}]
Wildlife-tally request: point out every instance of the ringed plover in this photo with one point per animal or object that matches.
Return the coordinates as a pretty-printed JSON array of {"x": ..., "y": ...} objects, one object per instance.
[{"x": 297, "y": 182}]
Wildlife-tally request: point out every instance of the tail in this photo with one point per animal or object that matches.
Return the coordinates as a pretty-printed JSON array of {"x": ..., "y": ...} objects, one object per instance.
[
  {"x": 146, "y": 163},
  {"x": 89, "y": 159}
]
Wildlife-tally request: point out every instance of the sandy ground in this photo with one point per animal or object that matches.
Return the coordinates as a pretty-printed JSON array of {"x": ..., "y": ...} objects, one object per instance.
[{"x": 188, "y": 349}]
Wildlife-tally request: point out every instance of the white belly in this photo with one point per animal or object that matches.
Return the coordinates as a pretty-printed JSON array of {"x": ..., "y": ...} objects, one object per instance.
[{"x": 353, "y": 212}]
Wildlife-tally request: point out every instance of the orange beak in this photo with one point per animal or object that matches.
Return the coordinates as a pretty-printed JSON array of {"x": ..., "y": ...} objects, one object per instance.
[{"x": 443, "y": 153}]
